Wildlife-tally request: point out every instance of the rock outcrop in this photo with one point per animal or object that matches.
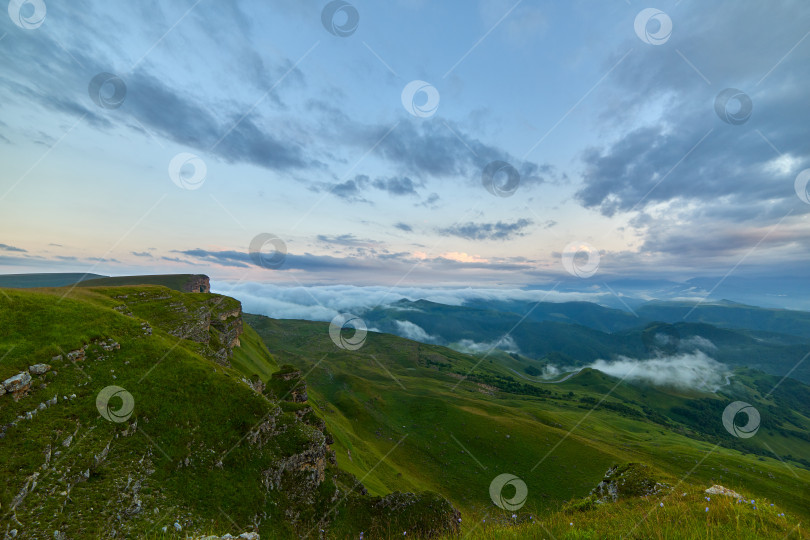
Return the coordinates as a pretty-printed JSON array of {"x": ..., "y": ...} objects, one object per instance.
[
  {"x": 621, "y": 482},
  {"x": 198, "y": 283}
]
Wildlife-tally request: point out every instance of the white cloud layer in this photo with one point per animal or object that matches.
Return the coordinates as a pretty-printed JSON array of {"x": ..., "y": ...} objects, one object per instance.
[
  {"x": 685, "y": 371},
  {"x": 469, "y": 346},
  {"x": 322, "y": 303}
]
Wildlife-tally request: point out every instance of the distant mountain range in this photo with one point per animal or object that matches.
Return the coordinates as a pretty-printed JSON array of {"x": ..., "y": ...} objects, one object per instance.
[{"x": 573, "y": 334}]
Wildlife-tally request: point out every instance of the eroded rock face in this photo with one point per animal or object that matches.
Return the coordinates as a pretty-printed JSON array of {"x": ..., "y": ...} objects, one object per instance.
[
  {"x": 299, "y": 475},
  {"x": 199, "y": 284},
  {"x": 213, "y": 324}
]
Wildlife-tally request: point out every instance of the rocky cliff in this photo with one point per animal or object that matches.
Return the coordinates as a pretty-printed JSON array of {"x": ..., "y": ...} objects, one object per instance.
[{"x": 197, "y": 283}]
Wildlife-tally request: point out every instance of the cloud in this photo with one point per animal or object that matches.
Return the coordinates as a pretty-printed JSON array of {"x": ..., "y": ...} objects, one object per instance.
[
  {"x": 425, "y": 149},
  {"x": 348, "y": 240},
  {"x": 506, "y": 344},
  {"x": 6, "y": 247},
  {"x": 396, "y": 185},
  {"x": 489, "y": 231},
  {"x": 403, "y": 227},
  {"x": 154, "y": 102},
  {"x": 235, "y": 138},
  {"x": 668, "y": 147},
  {"x": 697, "y": 342},
  {"x": 323, "y": 302},
  {"x": 142, "y": 254},
  {"x": 685, "y": 371},
  {"x": 460, "y": 256},
  {"x": 413, "y": 331},
  {"x": 354, "y": 189}
]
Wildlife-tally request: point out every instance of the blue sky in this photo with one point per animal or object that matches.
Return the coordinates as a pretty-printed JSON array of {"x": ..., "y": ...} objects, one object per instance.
[{"x": 303, "y": 135}]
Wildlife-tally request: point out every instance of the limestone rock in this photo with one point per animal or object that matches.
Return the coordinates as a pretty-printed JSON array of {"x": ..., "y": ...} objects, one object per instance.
[
  {"x": 720, "y": 490},
  {"x": 18, "y": 383},
  {"x": 39, "y": 369}
]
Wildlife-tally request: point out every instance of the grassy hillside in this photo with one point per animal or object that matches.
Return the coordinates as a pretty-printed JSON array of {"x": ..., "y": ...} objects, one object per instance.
[
  {"x": 175, "y": 282},
  {"x": 25, "y": 281},
  {"x": 458, "y": 435},
  {"x": 200, "y": 445}
]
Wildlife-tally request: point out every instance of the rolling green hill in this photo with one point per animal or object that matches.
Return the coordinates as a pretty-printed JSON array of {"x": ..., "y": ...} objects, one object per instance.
[
  {"x": 730, "y": 315},
  {"x": 177, "y": 282},
  {"x": 458, "y": 434},
  {"x": 26, "y": 281}
]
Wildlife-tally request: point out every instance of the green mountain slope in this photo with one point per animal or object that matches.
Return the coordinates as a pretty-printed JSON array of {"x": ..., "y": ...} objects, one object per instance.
[
  {"x": 26, "y": 281},
  {"x": 730, "y": 315},
  {"x": 125, "y": 411},
  {"x": 456, "y": 435},
  {"x": 177, "y": 282}
]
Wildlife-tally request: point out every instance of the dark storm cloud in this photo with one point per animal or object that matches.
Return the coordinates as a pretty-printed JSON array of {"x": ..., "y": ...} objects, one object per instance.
[{"x": 489, "y": 231}]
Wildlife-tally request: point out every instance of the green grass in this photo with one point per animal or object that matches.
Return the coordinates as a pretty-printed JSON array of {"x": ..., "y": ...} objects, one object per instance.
[
  {"x": 680, "y": 517},
  {"x": 172, "y": 281},
  {"x": 25, "y": 281},
  {"x": 455, "y": 440},
  {"x": 252, "y": 358},
  {"x": 198, "y": 447}
]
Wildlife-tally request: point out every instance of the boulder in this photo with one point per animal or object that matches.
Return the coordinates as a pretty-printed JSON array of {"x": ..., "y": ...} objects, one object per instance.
[
  {"x": 18, "y": 382},
  {"x": 39, "y": 369},
  {"x": 720, "y": 490}
]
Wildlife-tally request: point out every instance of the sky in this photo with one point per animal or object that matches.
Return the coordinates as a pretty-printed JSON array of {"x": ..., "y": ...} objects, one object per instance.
[{"x": 487, "y": 143}]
